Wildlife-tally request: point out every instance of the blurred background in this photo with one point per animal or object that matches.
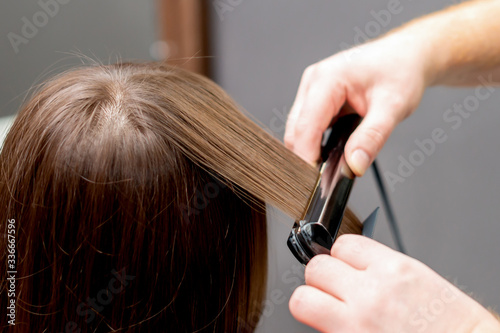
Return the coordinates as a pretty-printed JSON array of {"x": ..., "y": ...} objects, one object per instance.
[{"x": 446, "y": 201}]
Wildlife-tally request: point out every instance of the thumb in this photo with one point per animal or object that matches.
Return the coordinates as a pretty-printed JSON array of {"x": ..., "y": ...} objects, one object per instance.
[{"x": 368, "y": 139}]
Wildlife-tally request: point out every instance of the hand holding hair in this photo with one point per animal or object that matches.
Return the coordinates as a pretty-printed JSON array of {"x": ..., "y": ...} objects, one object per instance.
[
  {"x": 384, "y": 79},
  {"x": 365, "y": 286}
]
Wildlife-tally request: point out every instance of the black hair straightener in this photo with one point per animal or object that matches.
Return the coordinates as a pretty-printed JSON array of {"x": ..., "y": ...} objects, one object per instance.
[{"x": 316, "y": 231}]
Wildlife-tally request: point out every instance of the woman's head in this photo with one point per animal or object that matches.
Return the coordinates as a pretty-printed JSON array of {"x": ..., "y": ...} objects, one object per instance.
[
  {"x": 138, "y": 192},
  {"x": 95, "y": 172}
]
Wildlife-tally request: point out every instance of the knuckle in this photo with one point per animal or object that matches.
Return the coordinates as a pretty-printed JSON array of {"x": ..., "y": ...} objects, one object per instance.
[
  {"x": 309, "y": 72},
  {"x": 342, "y": 241},
  {"x": 397, "y": 103},
  {"x": 289, "y": 140},
  {"x": 309, "y": 132},
  {"x": 301, "y": 125},
  {"x": 349, "y": 243},
  {"x": 398, "y": 267},
  {"x": 376, "y": 136},
  {"x": 313, "y": 265},
  {"x": 396, "y": 107},
  {"x": 299, "y": 300}
]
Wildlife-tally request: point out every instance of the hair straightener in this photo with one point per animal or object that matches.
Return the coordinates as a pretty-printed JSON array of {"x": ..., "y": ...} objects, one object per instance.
[{"x": 317, "y": 229}]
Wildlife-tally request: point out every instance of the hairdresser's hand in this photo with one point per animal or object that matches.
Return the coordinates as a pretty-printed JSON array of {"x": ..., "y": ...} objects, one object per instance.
[
  {"x": 382, "y": 80},
  {"x": 365, "y": 286}
]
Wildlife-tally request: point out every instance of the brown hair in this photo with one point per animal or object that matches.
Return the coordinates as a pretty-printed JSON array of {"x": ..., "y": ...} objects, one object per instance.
[{"x": 138, "y": 193}]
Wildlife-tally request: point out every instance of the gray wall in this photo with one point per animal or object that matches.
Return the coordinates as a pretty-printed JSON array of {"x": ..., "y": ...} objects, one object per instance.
[
  {"x": 448, "y": 207},
  {"x": 100, "y": 30}
]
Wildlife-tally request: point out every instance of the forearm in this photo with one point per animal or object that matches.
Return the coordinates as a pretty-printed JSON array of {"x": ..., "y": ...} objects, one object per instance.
[{"x": 459, "y": 45}]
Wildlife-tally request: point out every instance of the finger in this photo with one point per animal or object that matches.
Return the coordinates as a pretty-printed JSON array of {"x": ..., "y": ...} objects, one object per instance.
[
  {"x": 331, "y": 275},
  {"x": 321, "y": 103},
  {"x": 368, "y": 139},
  {"x": 360, "y": 251},
  {"x": 317, "y": 309},
  {"x": 296, "y": 107}
]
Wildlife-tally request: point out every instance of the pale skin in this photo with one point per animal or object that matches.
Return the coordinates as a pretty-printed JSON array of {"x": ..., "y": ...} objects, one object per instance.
[
  {"x": 383, "y": 80},
  {"x": 364, "y": 286}
]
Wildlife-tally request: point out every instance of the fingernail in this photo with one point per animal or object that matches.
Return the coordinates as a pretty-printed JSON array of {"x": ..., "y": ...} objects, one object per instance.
[{"x": 360, "y": 161}]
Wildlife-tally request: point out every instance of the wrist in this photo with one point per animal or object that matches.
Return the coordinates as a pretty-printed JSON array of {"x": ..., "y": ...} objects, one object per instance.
[
  {"x": 421, "y": 48},
  {"x": 416, "y": 54}
]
